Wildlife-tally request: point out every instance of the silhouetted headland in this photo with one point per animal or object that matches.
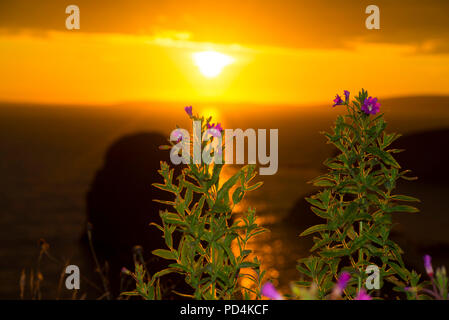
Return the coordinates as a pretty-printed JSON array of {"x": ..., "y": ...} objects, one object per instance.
[{"x": 120, "y": 205}]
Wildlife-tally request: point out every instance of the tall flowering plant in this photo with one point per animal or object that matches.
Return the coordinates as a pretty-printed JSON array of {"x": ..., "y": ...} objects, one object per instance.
[
  {"x": 356, "y": 203},
  {"x": 437, "y": 288},
  {"x": 311, "y": 293},
  {"x": 202, "y": 214}
]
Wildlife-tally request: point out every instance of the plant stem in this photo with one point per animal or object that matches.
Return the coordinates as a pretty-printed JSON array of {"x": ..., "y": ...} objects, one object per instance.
[{"x": 360, "y": 256}]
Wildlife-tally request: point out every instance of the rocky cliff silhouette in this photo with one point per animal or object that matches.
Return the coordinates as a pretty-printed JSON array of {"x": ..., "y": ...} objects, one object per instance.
[{"x": 120, "y": 206}]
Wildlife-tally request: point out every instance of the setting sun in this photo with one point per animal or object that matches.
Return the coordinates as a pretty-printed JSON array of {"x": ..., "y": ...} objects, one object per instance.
[{"x": 211, "y": 63}]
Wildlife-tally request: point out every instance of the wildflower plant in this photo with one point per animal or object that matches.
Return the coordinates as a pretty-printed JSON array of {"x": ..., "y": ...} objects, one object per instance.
[
  {"x": 202, "y": 214},
  {"x": 147, "y": 287},
  {"x": 356, "y": 203},
  {"x": 437, "y": 288},
  {"x": 311, "y": 293}
]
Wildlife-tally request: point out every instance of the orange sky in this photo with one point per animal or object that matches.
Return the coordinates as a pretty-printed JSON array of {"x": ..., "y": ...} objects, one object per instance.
[{"x": 275, "y": 58}]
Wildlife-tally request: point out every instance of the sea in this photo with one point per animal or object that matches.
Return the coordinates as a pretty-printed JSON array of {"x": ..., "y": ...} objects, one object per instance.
[{"x": 49, "y": 155}]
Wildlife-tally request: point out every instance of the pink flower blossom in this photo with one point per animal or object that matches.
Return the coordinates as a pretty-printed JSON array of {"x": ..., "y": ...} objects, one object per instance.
[
  {"x": 343, "y": 281},
  {"x": 214, "y": 130},
  {"x": 178, "y": 136},
  {"x": 125, "y": 271},
  {"x": 362, "y": 295},
  {"x": 346, "y": 92},
  {"x": 341, "y": 284},
  {"x": 338, "y": 101},
  {"x": 428, "y": 265},
  {"x": 188, "y": 110},
  {"x": 269, "y": 291},
  {"x": 371, "y": 106}
]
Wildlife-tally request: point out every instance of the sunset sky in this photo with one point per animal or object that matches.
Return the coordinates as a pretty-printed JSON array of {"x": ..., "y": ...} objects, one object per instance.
[{"x": 292, "y": 52}]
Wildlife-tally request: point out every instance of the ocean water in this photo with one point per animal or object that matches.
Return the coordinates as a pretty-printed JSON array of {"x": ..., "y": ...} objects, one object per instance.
[{"x": 49, "y": 156}]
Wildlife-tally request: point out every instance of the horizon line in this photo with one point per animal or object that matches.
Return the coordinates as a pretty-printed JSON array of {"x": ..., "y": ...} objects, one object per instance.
[{"x": 140, "y": 102}]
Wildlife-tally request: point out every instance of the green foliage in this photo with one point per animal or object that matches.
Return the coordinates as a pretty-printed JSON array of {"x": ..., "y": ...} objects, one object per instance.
[
  {"x": 146, "y": 287},
  {"x": 437, "y": 288},
  {"x": 441, "y": 283},
  {"x": 202, "y": 213},
  {"x": 356, "y": 203}
]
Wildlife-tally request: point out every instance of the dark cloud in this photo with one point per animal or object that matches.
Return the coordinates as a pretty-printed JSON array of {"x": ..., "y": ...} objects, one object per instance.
[{"x": 293, "y": 23}]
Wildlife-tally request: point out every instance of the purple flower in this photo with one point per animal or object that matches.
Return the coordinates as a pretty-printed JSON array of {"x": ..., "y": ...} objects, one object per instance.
[
  {"x": 337, "y": 101},
  {"x": 269, "y": 291},
  {"x": 428, "y": 265},
  {"x": 188, "y": 110},
  {"x": 370, "y": 106},
  {"x": 341, "y": 285},
  {"x": 125, "y": 271},
  {"x": 177, "y": 135},
  {"x": 346, "y": 96},
  {"x": 343, "y": 281},
  {"x": 218, "y": 127},
  {"x": 362, "y": 295},
  {"x": 214, "y": 130}
]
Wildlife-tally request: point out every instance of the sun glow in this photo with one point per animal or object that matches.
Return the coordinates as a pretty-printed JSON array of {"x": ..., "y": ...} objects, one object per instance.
[
  {"x": 212, "y": 112},
  {"x": 211, "y": 63}
]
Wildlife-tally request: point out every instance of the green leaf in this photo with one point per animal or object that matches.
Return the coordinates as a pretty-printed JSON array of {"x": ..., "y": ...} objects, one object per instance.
[
  {"x": 323, "y": 183},
  {"x": 223, "y": 192},
  {"x": 402, "y": 272},
  {"x": 237, "y": 195},
  {"x": 331, "y": 163},
  {"x": 164, "y": 187},
  {"x": 384, "y": 156},
  {"x": 358, "y": 243},
  {"x": 404, "y": 198},
  {"x": 166, "y": 254},
  {"x": 247, "y": 264},
  {"x": 303, "y": 270},
  {"x": 315, "y": 202},
  {"x": 321, "y": 243},
  {"x": 373, "y": 238},
  {"x": 332, "y": 253},
  {"x": 157, "y": 226},
  {"x": 303, "y": 283},
  {"x": 216, "y": 174},
  {"x": 350, "y": 212},
  {"x": 171, "y": 218},
  {"x": 259, "y": 231},
  {"x": 179, "y": 266},
  {"x": 313, "y": 229},
  {"x": 168, "y": 235},
  {"x": 164, "y": 272},
  {"x": 130, "y": 293},
  {"x": 389, "y": 139},
  {"x": 254, "y": 186},
  {"x": 401, "y": 208},
  {"x": 333, "y": 264},
  {"x": 221, "y": 207},
  {"x": 320, "y": 213}
]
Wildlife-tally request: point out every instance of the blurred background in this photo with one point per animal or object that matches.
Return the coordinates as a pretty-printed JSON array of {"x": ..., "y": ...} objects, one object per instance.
[{"x": 83, "y": 111}]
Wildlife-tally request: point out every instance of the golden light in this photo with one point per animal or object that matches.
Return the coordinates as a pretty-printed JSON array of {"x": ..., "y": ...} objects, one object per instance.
[
  {"x": 211, "y": 63},
  {"x": 212, "y": 112}
]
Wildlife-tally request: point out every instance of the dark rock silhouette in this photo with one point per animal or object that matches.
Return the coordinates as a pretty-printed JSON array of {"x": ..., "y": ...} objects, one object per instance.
[
  {"x": 426, "y": 154},
  {"x": 303, "y": 217},
  {"x": 417, "y": 234},
  {"x": 120, "y": 206}
]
